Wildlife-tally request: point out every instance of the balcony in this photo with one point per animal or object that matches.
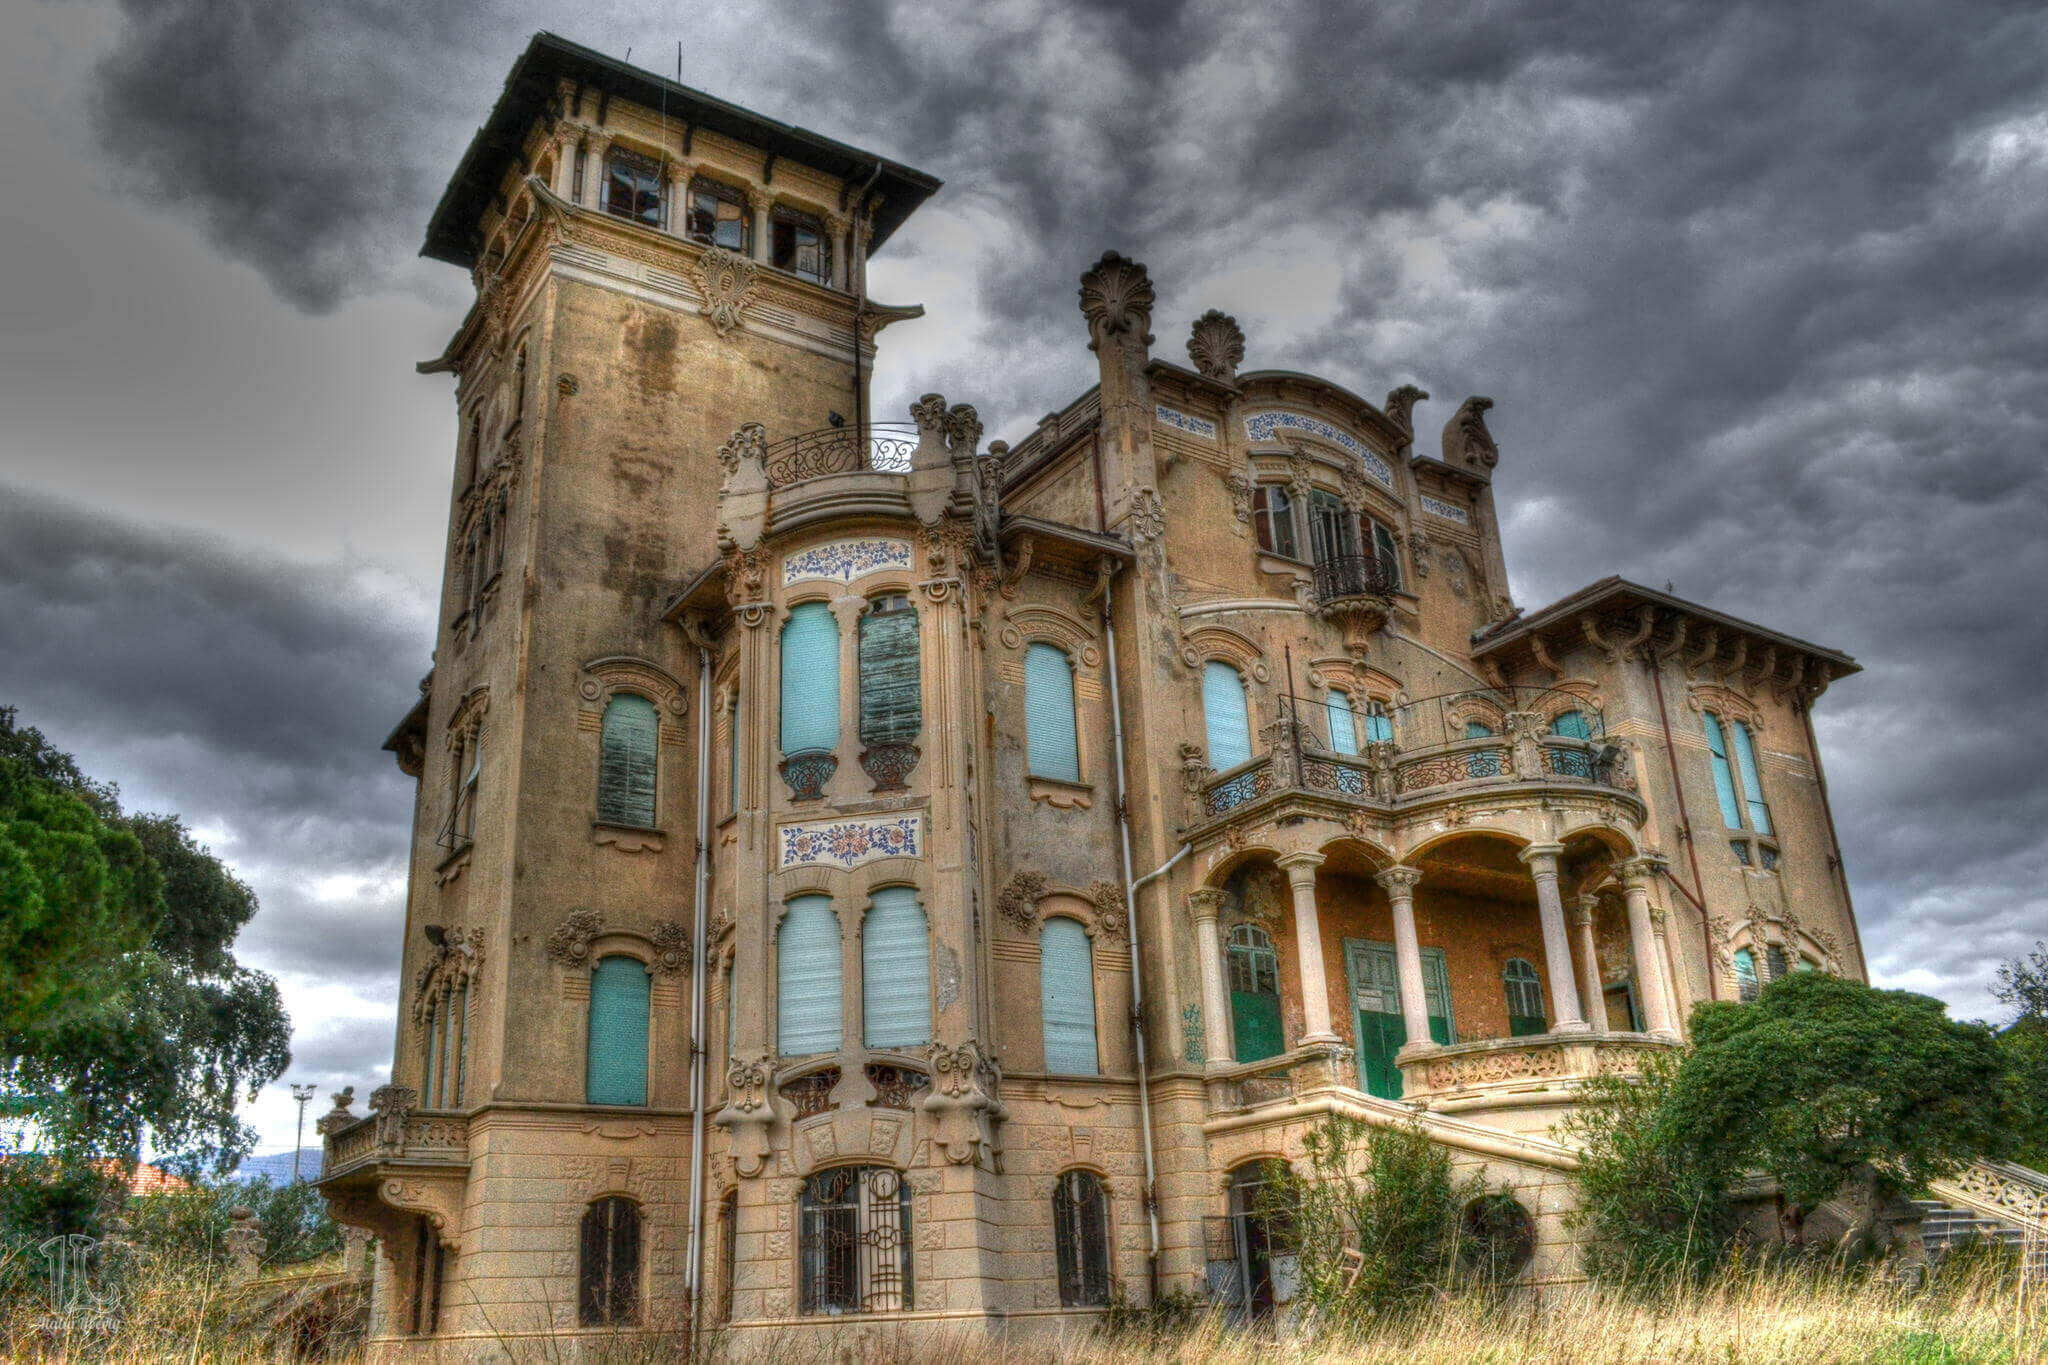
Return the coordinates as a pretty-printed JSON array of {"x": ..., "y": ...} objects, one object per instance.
[
  {"x": 880, "y": 448},
  {"x": 1503, "y": 1072},
  {"x": 1349, "y": 577}
]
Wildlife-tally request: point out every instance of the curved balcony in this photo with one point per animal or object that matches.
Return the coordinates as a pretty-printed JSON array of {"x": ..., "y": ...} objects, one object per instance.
[
  {"x": 879, "y": 448},
  {"x": 1347, "y": 578}
]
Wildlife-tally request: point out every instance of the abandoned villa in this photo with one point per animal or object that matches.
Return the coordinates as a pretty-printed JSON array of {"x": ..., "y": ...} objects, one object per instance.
[{"x": 866, "y": 873}]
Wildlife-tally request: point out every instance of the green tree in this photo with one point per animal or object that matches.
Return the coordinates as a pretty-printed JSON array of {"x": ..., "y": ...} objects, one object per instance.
[
  {"x": 1826, "y": 1084},
  {"x": 2023, "y": 984},
  {"x": 124, "y": 1008}
]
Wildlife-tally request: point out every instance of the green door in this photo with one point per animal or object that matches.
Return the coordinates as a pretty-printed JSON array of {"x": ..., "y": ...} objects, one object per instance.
[
  {"x": 1254, "y": 995},
  {"x": 1376, "y": 995}
]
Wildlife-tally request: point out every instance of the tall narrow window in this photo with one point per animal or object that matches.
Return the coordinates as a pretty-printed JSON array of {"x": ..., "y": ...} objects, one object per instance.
[
  {"x": 472, "y": 446},
  {"x": 1724, "y": 774},
  {"x": 732, "y": 1009},
  {"x": 465, "y": 772},
  {"x": 608, "y": 1276},
  {"x": 519, "y": 384},
  {"x": 797, "y": 243},
  {"x": 1066, "y": 997},
  {"x": 1254, "y": 970},
  {"x": 728, "y": 1250},
  {"x": 853, "y": 1242},
  {"x": 1746, "y": 984},
  {"x": 807, "y": 978},
  {"x": 1525, "y": 998},
  {"x": 1051, "y": 737},
  {"x": 890, "y": 711},
  {"x": 1388, "y": 553},
  {"x": 896, "y": 970},
  {"x": 732, "y": 753},
  {"x": 810, "y": 680},
  {"x": 625, "y": 771},
  {"x": 616, "y": 1067},
  {"x": 1752, "y": 779},
  {"x": 1080, "y": 1232},
  {"x": 1776, "y": 962},
  {"x": 1332, "y": 530},
  {"x": 1225, "y": 716},
  {"x": 430, "y": 1063},
  {"x": 1379, "y": 728},
  {"x": 459, "y": 1051},
  {"x": 632, "y": 187},
  {"x": 1273, "y": 519},
  {"x": 718, "y": 215},
  {"x": 1343, "y": 726}
]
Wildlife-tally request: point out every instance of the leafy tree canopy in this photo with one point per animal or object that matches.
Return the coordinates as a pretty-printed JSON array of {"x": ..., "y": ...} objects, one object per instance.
[
  {"x": 1821, "y": 1080},
  {"x": 122, "y": 1007},
  {"x": 2023, "y": 984}
]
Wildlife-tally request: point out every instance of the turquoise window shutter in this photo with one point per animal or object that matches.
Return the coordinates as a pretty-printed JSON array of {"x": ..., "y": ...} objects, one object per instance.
[
  {"x": 1343, "y": 728},
  {"x": 1052, "y": 741},
  {"x": 889, "y": 709},
  {"x": 896, "y": 970},
  {"x": 1066, "y": 995},
  {"x": 625, "y": 773},
  {"x": 810, "y": 679},
  {"x": 808, "y": 978},
  {"x": 1572, "y": 725},
  {"x": 1746, "y": 985},
  {"x": 617, "y": 1063},
  {"x": 1724, "y": 776},
  {"x": 1228, "y": 720},
  {"x": 1752, "y": 779},
  {"x": 1379, "y": 729}
]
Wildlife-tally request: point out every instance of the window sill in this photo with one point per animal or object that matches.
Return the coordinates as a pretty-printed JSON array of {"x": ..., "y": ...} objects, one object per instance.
[
  {"x": 627, "y": 838},
  {"x": 1272, "y": 562},
  {"x": 1062, "y": 794}
]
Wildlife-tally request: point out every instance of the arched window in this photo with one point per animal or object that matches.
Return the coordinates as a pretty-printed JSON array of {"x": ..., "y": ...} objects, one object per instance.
[
  {"x": 1343, "y": 726},
  {"x": 1379, "y": 729},
  {"x": 1525, "y": 998},
  {"x": 1724, "y": 772},
  {"x": 608, "y": 1271},
  {"x": 632, "y": 187},
  {"x": 1051, "y": 738},
  {"x": 896, "y": 970},
  {"x": 1066, "y": 997},
  {"x": 1080, "y": 1231},
  {"x": 1478, "y": 729},
  {"x": 1752, "y": 778},
  {"x": 445, "y": 1041},
  {"x": 626, "y": 763},
  {"x": 1273, "y": 520},
  {"x": 890, "y": 712},
  {"x": 1746, "y": 984},
  {"x": 616, "y": 1065},
  {"x": 853, "y": 1242},
  {"x": 1571, "y": 725},
  {"x": 807, "y": 978},
  {"x": 1254, "y": 970},
  {"x": 810, "y": 680},
  {"x": 1226, "y": 716}
]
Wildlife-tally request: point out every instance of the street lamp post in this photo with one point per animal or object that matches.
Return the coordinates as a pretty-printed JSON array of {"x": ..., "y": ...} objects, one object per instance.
[{"x": 301, "y": 1093}]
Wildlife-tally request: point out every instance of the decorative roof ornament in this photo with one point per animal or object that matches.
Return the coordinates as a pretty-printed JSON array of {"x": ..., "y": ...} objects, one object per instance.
[
  {"x": 725, "y": 281},
  {"x": 1116, "y": 298},
  {"x": 1216, "y": 345},
  {"x": 1401, "y": 406},
  {"x": 1467, "y": 442}
]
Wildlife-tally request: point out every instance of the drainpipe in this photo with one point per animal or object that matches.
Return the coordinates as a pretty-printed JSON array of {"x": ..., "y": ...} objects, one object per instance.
[
  {"x": 1685, "y": 823},
  {"x": 1123, "y": 829},
  {"x": 694, "y": 1269}
]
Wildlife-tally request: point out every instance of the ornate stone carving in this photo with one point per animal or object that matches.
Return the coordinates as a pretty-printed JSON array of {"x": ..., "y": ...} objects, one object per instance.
[
  {"x": 1240, "y": 485},
  {"x": 339, "y": 1117},
  {"x": 1116, "y": 299},
  {"x": 929, "y": 413},
  {"x": 1467, "y": 442},
  {"x": 1108, "y": 899},
  {"x": 749, "y": 1111},
  {"x": 889, "y": 765},
  {"x": 1146, "y": 520},
  {"x": 1401, "y": 406},
  {"x": 453, "y": 964},
  {"x": 726, "y": 282},
  {"x": 390, "y": 1104},
  {"x": 1216, "y": 345},
  {"x": 748, "y": 442},
  {"x": 746, "y": 576},
  {"x": 963, "y": 429},
  {"x": 1018, "y": 901},
  {"x": 965, "y": 1084},
  {"x": 672, "y": 951},
  {"x": 569, "y": 944}
]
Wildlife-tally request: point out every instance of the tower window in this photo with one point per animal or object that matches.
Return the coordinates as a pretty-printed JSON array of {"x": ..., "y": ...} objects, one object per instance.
[
  {"x": 1225, "y": 716},
  {"x": 1051, "y": 739},
  {"x": 632, "y": 187},
  {"x": 1080, "y": 1224},
  {"x": 1066, "y": 988},
  {"x": 608, "y": 1276},
  {"x": 797, "y": 243},
  {"x": 626, "y": 766},
  {"x": 616, "y": 1067},
  {"x": 1343, "y": 725},
  {"x": 718, "y": 215},
  {"x": 1273, "y": 520},
  {"x": 1724, "y": 772},
  {"x": 808, "y": 978},
  {"x": 889, "y": 703},
  {"x": 896, "y": 970},
  {"x": 810, "y": 680}
]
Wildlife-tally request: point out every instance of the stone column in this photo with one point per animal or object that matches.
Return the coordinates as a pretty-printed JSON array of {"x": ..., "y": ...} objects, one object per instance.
[
  {"x": 1637, "y": 874},
  {"x": 1204, "y": 905},
  {"x": 1308, "y": 941},
  {"x": 1557, "y": 948},
  {"x": 758, "y": 203},
  {"x": 593, "y": 172},
  {"x": 849, "y": 782},
  {"x": 1400, "y": 883},
  {"x": 1585, "y": 913},
  {"x": 565, "y": 166}
]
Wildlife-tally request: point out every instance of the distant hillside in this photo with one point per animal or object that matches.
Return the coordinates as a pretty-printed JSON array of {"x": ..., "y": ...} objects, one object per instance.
[{"x": 276, "y": 1167}]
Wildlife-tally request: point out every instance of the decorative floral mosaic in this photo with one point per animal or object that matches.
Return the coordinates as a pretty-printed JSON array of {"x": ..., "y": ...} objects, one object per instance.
[
  {"x": 851, "y": 842},
  {"x": 1260, "y": 426},
  {"x": 1185, "y": 421},
  {"x": 1449, "y": 511},
  {"x": 842, "y": 561}
]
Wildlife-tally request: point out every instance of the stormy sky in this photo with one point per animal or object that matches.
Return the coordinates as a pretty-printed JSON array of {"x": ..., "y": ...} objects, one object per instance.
[{"x": 1757, "y": 289}]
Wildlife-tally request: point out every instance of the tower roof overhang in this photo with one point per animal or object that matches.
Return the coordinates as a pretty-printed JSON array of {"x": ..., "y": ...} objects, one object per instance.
[{"x": 530, "y": 88}]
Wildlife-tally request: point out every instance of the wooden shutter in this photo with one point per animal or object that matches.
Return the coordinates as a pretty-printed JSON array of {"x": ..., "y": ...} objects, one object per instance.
[
  {"x": 1746, "y": 985},
  {"x": 1572, "y": 725},
  {"x": 1223, "y": 709},
  {"x": 617, "y": 1063},
  {"x": 807, "y": 978},
  {"x": 625, "y": 774},
  {"x": 1378, "y": 728},
  {"x": 1524, "y": 997},
  {"x": 1343, "y": 727},
  {"x": 1724, "y": 776},
  {"x": 810, "y": 679},
  {"x": 1752, "y": 780},
  {"x": 896, "y": 970},
  {"x": 1052, "y": 740},
  {"x": 1066, "y": 991},
  {"x": 889, "y": 710}
]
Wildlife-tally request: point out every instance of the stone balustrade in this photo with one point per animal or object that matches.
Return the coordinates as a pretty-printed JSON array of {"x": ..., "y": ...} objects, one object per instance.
[
  {"x": 1541, "y": 1061},
  {"x": 1277, "y": 1080},
  {"x": 425, "y": 1138},
  {"x": 2001, "y": 1190}
]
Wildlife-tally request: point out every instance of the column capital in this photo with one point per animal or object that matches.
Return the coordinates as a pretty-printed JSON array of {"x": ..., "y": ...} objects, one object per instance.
[
  {"x": 1398, "y": 879},
  {"x": 1536, "y": 854},
  {"x": 1583, "y": 908},
  {"x": 1642, "y": 870},
  {"x": 1300, "y": 865},
  {"x": 1205, "y": 903}
]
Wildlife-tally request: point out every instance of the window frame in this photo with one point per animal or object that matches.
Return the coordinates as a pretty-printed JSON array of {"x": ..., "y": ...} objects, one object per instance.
[
  {"x": 1082, "y": 1238},
  {"x": 832, "y": 1022},
  {"x": 1209, "y": 721},
  {"x": 645, "y": 1041},
  {"x": 644, "y": 168},
  {"x": 1748, "y": 981},
  {"x": 798, "y": 220},
  {"x": 1048, "y": 994},
  {"x": 724, "y": 192},
  {"x": 1269, "y": 520},
  {"x": 876, "y": 1233},
  {"x": 1526, "y": 984},
  {"x": 920, "y": 966},
  {"x": 1070, "y": 683},
  {"x": 604, "y": 739}
]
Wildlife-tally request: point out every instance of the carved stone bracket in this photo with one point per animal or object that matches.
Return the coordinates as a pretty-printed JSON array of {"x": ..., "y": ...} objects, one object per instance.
[
  {"x": 438, "y": 1200},
  {"x": 963, "y": 1101},
  {"x": 749, "y": 1111}
]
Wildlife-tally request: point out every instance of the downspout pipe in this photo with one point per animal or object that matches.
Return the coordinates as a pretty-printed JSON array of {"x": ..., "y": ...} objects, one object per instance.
[
  {"x": 694, "y": 1268},
  {"x": 1131, "y": 885}
]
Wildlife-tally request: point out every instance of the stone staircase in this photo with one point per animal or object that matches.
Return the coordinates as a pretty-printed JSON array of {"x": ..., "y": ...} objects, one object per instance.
[{"x": 1994, "y": 1200}]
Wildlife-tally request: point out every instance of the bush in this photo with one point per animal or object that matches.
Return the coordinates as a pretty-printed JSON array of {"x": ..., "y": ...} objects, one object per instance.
[{"x": 193, "y": 1223}]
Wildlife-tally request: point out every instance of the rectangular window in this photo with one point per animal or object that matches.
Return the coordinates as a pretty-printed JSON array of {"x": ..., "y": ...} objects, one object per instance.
[
  {"x": 1273, "y": 519},
  {"x": 1379, "y": 729},
  {"x": 626, "y": 764},
  {"x": 1752, "y": 780},
  {"x": 1343, "y": 726},
  {"x": 1051, "y": 737},
  {"x": 1724, "y": 776},
  {"x": 616, "y": 1065},
  {"x": 1066, "y": 986},
  {"x": 889, "y": 703},
  {"x": 632, "y": 187},
  {"x": 718, "y": 215},
  {"x": 896, "y": 970},
  {"x": 1333, "y": 534},
  {"x": 797, "y": 243},
  {"x": 808, "y": 978}
]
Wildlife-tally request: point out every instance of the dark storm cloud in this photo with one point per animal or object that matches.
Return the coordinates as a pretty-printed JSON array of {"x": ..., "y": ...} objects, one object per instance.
[{"x": 1757, "y": 288}]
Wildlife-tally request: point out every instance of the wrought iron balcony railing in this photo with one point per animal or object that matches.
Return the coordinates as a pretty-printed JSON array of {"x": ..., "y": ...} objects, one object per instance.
[
  {"x": 883, "y": 447},
  {"x": 1347, "y": 576}
]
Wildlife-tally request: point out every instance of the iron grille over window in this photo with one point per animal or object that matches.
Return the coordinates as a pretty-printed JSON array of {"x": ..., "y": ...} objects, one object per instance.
[
  {"x": 854, "y": 1241},
  {"x": 1080, "y": 1222},
  {"x": 608, "y": 1283}
]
